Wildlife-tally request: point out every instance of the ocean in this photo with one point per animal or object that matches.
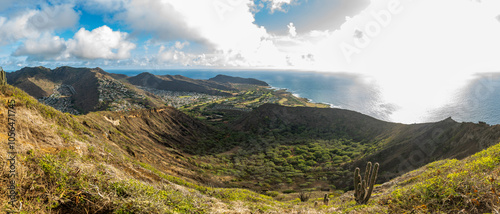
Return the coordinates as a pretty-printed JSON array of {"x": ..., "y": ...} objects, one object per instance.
[{"x": 476, "y": 100}]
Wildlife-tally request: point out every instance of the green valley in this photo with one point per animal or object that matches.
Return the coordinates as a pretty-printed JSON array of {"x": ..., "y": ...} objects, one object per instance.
[{"x": 232, "y": 145}]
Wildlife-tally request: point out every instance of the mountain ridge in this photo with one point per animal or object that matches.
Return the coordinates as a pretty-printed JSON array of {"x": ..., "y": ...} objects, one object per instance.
[
  {"x": 93, "y": 89},
  {"x": 229, "y": 79},
  {"x": 111, "y": 161},
  {"x": 404, "y": 147},
  {"x": 179, "y": 83}
]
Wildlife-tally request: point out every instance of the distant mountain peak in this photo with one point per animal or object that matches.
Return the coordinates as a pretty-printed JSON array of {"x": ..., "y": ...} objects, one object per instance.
[
  {"x": 237, "y": 80},
  {"x": 449, "y": 119},
  {"x": 179, "y": 83}
]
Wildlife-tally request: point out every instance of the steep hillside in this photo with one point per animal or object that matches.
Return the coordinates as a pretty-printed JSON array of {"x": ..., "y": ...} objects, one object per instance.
[
  {"x": 79, "y": 90},
  {"x": 450, "y": 186},
  {"x": 398, "y": 148},
  {"x": 470, "y": 185},
  {"x": 415, "y": 145}
]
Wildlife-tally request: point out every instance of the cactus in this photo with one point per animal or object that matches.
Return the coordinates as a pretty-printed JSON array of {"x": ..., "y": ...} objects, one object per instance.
[
  {"x": 3, "y": 79},
  {"x": 363, "y": 188},
  {"x": 304, "y": 196},
  {"x": 326, "y": 200}
]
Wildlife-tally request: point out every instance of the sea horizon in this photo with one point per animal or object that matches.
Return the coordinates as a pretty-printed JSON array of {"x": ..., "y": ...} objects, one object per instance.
[{"x": 474, "y": 102}]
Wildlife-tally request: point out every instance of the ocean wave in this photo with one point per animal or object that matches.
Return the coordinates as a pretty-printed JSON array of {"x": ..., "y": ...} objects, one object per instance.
[
  {"x": 277, "y": 88},
  {"x": 334, "y": 106}
]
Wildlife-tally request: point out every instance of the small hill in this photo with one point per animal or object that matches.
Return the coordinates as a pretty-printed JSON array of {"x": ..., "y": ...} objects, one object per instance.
[
  {"x": 328, "y": 120},
  {"x": 79, "y": 90},
  {"x": 237, "y": 80},
  {"x": 180, "y": 83}
]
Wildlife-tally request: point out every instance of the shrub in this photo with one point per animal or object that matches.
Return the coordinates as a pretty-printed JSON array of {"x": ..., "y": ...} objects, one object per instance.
[{"x": 303, "y": 196}]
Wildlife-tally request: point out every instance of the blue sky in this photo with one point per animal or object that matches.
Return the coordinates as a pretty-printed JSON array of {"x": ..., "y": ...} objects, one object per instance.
[
  {"x": 380, "y": 37},
  {"x": 56, "y": 32}
]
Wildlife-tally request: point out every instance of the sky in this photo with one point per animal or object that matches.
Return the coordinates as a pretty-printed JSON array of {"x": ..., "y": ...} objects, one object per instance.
[{"x": 379, "y": 37}]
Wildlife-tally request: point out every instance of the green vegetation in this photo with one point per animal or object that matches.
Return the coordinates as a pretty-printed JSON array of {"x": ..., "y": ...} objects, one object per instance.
[
  {"x": 470, "y": 186},
  {"x": 249, "y": 97},
  {"x": 67, "y": 183},
  {"x": 84, "y": 164},
  {"x": 264, "y": 163},
  {"x": 277, "y": 157},
  {"x": 95, "y": 180}
]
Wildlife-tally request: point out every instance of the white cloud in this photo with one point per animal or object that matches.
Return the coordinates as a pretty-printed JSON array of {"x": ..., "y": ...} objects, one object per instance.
[
  {"x": 173, "y": 56},
  {"x": 13, "y": 29},
  {"x": 419, "y": 37},
  {"x": 278, "y": 4},
  {"x": 225, "y": 29},
  {"x": 180, "y": 45},
  {"x": 158, "y": 18},
  {"x": 46, "y": 47},
  {"x": 291, "y": 29},
  {"x": 100, "y": 43},
  {"x": 31, "y": 24},
  {"x": 54, "y": 18}
]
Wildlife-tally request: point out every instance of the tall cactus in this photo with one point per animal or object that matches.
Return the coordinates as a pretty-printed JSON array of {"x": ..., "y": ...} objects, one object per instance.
[
  {"x": 3, "y": 78},
  {"x": 363, "y": 188}
]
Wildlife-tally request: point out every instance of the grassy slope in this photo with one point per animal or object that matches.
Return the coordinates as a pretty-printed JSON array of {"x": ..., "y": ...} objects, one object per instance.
[
  {"x": 452, "y": 186},
  {"x": 470, "y": 185},
  {"x": 66, "y": 167}
]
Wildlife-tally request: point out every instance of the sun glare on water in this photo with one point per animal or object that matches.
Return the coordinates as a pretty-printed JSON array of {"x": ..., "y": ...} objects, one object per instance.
[{"x": 425, "y": 54}]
